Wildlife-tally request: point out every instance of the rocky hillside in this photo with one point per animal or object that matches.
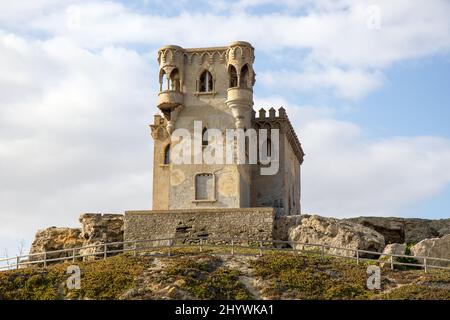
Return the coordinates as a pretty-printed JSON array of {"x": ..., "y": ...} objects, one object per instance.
[
  {"x": 416, "y": 237},
  {"x": 189, "y": 275}
]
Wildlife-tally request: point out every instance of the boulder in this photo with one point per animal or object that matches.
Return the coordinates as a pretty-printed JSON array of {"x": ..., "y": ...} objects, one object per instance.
[
  {"x": 337, "y": 233},
  {"x": 54, "y": 238},
  {"x": 393, "y": 248},
  {"x": 393, "y": 229},
  {"x": 97, "y": 229},
  {"x": 405, "y": 230},
  {"x": 101, "y": 227},
  {"x": 283, "y": 224},
  {"x": 436, "y": 248}
]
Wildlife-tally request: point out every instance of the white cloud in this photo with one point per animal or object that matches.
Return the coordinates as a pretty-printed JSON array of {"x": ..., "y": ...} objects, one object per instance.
[
  {"x": 351, "y": 84},
  {"x": 341, "y": 50},
  {"x": 74, "y": 133}
]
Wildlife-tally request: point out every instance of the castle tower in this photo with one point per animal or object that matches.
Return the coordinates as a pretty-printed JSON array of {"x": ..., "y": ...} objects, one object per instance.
[{"x": 213, "y": 88}]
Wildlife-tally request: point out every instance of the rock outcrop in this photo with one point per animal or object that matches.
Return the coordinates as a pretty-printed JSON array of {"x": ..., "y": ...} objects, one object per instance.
[
  {"x": 436, "y": 248},
  {"x": 54, "y": 238},
  {"x": 96, "y": 229},
  {"x": 405, "y": 230},
  {"x": 393, "y": 248},
  {"x": 336, "y": 233}
]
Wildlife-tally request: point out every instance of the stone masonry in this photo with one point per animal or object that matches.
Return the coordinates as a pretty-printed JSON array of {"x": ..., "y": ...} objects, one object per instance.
[{"x": 255, "y": 223}]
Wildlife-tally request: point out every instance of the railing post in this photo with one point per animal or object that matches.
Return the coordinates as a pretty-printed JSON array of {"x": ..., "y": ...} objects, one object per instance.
[
  {"x": 260, "y": 248},
  {"x": 73, "y": 255},
  {"x": 168, "y": 251},
  {"x": 105, "y": 251},
  {"x": 201, "y": 243},
  {"x": 323, "y": 252},
  {"x": 357, "y": 257},
  {"x": 17, "y": 262},
  {"x": 425, "y": 264},
  {"x": 232, "y": 247},
  {"x": 392, "y": 262},
  {"x": 134, "y": 249}
]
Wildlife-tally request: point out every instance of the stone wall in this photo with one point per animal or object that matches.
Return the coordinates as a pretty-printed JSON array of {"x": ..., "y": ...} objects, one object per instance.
[{"x": 256, "y": 223}]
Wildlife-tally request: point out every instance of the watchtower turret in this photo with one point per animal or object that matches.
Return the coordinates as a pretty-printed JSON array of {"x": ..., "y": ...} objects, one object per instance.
[{"x": 240, "y": 58}]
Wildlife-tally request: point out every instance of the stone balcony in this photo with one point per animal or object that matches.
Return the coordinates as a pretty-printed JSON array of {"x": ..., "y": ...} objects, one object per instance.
[
  {"x": 169, "y": 100},
  {"x": 238, "y": 94}
]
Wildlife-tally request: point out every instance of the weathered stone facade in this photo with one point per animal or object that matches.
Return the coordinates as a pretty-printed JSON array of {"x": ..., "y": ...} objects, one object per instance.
[{"x": 254, "y": 223}]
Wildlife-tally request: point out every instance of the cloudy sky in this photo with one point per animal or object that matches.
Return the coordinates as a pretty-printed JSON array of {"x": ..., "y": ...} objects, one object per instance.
[{"x": 366, "y": 85}]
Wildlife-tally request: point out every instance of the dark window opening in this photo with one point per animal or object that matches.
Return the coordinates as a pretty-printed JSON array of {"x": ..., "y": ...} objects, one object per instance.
[
  {"x": 167, "y": 154},
  {"x": 233, "y": 76},
  {"x": 244, "y": 77},
  {"x": 205, "y": 137}
]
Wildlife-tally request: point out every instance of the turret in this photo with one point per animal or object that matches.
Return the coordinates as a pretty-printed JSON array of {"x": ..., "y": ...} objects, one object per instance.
[
  {"x": 171, "y": 80},
  {"x": 240, "y": 57}
]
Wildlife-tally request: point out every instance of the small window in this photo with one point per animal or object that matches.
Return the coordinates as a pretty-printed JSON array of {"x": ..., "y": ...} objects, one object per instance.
[
  {"x": 233, "y": 76},
  {"x": 205, "y": 137},
  {"x": 206, "y": 82},
  {"x": 167, "y": 154},
  {"x": 204, "y": 186}
]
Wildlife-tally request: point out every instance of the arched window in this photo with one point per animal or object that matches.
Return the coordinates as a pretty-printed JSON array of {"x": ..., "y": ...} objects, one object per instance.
[
  {"x": 175, "y": 80},
  {"x": 167, "y": 154},
  {"x": 204, "y": 137},
  {"x": 206, "y": 82},
  {"x": 244, "y": 77},
  {"x": 232, "y": 76}
]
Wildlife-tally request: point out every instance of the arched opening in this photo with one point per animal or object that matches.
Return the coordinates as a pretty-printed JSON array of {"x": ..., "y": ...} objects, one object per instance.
[
  {"x": 167, "y": 154},
  {"x": 244, "y": 77},
  {"x": 164, "y": 82},
  {"x": 233, "y": 78},
  {"x": 175, "y": 80},
  {"x": 206, "y": 82},
  {"x": 204, "y": 137}
]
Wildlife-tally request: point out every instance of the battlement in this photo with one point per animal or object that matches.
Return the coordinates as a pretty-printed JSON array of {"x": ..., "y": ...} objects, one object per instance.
[
  {"x": 270, "y": 114},
  {"x": 281, "y": 121}
]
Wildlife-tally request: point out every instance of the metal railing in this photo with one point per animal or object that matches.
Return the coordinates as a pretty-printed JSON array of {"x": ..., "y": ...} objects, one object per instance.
[{"x": 228, "y": 246}]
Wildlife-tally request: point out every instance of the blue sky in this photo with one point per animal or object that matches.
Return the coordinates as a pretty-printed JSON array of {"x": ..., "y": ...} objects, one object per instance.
[{"x": 365, "y": 84}]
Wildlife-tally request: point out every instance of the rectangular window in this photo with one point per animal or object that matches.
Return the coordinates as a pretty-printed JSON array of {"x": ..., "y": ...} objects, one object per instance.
[{"x": 204, "y": 186}]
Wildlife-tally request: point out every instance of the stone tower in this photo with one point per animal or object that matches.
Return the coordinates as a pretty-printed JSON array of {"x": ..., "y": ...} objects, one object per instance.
[{"x": 214, "y": 86}]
